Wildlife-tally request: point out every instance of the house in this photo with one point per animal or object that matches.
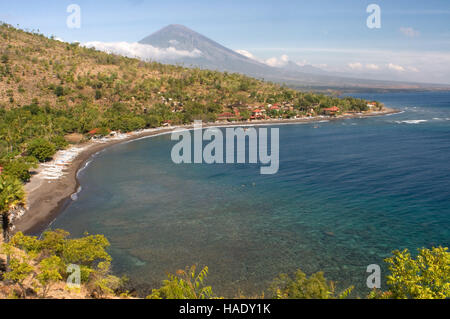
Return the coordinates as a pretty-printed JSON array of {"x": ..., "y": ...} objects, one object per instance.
[
  {"x": 257, "y": 112},
  {"x": 1, "y": 170},
  {"x": 371, "y": 105},
  {"x": 275, "y": 108},
  {"x": 331, "y": 110}
]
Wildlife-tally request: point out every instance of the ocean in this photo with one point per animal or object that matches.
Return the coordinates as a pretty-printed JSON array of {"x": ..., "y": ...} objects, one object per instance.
[{"x": 347, "y": 194}]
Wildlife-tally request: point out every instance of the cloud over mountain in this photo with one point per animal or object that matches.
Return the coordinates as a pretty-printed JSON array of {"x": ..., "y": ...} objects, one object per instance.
[{"x": 143, "y": 51}]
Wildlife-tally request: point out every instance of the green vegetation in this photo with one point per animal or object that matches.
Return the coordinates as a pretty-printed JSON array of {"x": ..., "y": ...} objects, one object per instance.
[
  {"x": 302, "y": 287},
  {"x": 426, "y": 277},
  {"x": 43, "y": 263},
  {"x": 11, "y": 195},
  {"x": 39, "y": 264},
  {"x": 41, "y": 149},
  {"x": 186, "y": 284}
]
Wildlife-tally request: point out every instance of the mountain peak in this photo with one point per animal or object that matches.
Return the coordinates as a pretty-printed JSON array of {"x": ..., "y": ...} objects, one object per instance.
[
  {"x": 175, "y": 35},
  {"x": 212, "y": 54}
]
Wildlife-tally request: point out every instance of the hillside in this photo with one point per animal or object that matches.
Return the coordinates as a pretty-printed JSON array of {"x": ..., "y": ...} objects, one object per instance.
[{"x": 35, "y": 67}]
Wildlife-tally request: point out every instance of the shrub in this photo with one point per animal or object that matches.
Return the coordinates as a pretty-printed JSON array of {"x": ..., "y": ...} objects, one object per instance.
[
  {"x": 426, "y": 277},
  {"x": 302, "y": 287},
  {"x": 20, "y": 168},
  {"x": 59, "y": 142},
  {"x": 186, "y": 284},
  {"x": 42, "y": 149},
  {"x": 59, "y": 91},
  {"x": 53, "y": 253}
]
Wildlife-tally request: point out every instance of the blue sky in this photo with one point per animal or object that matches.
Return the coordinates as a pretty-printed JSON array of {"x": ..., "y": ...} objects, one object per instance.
[{"x": 413, "y": 42}]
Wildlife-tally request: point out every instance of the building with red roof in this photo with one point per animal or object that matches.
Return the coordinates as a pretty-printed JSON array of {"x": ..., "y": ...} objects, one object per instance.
[
  {"x": 331, "y": 110},
  {"x": 94, "y": 131}
]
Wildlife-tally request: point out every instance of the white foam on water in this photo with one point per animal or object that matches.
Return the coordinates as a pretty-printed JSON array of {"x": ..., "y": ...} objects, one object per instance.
[
  {"x": 74, "y": 196},
  {"x": 411, "y": 121}
]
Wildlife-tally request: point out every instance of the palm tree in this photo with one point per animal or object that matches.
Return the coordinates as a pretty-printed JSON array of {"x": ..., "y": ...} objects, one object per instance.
[{"x": 11, "y": 195}]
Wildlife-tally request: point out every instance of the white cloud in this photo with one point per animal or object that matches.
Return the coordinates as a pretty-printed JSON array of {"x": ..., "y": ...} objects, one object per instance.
[
  {"x": 433, "y": 66},
  {"x": 355, "y": 66},
  {"x": 372, "y": 66},
  {"x": 409, "y": 32},
  {"x": 278, "y": 62},
  {"x": 281, "y": 61},
  {"x": 358, "y": 66},
  {"x": 142, "y": 51},
  {"x": 396, "y": 67},
  {"x": 247, "y": 54}
]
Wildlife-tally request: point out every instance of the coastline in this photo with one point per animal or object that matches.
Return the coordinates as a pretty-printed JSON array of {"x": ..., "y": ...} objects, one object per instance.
[{"x": 46, "y": 198}]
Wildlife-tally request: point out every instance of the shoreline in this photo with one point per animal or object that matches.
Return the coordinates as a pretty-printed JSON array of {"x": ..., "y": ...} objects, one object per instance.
[{"x": 47, "y": 198}]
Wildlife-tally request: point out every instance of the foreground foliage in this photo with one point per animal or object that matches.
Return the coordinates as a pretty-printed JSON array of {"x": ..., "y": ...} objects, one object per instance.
[
  {"x": 42, "y": 263},
  {"x": 186, "y": 284},
  {"x": 301, "y": 286},
  {"x": 426, "y": 277}
]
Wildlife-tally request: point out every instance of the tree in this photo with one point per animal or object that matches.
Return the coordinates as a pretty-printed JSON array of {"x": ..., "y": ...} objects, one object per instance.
[
  {"x": 426, "y": 277},
  {"x": 19, "y": 270},
  {"x": 103, "y": 283},
  {"x": 49, "y": 273},
  {"x": 11, "y": 194},
  {"x": 59, "y": 142},
  {"x": 186, "y": 284},
  {"x": 53, "y": 253},
  {"x": 20, "y": 168},
  {"x": 42, "y": 149}
]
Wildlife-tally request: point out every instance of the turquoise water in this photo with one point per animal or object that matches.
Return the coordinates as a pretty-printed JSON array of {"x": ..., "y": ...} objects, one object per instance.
[{"x": 347, "y": 194}]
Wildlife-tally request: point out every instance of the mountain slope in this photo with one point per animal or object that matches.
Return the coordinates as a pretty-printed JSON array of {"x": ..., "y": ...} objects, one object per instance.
[{"x": 212, "y": 54}]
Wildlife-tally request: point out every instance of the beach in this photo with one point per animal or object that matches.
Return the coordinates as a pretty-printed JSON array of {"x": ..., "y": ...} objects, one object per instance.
[{"x": 53, "y": 184}]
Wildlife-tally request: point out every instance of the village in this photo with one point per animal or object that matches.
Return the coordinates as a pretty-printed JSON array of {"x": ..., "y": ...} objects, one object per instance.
[
  {"x": 240, "y": 112},
  {"x": 281, "y": 111}
]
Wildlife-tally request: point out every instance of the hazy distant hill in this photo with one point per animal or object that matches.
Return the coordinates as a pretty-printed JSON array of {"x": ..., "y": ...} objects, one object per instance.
[{"x": 212, "y": 55}]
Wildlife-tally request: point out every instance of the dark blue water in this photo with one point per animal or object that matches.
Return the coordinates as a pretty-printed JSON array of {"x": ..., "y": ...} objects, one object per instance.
[{"x": 347, "y": 194}]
